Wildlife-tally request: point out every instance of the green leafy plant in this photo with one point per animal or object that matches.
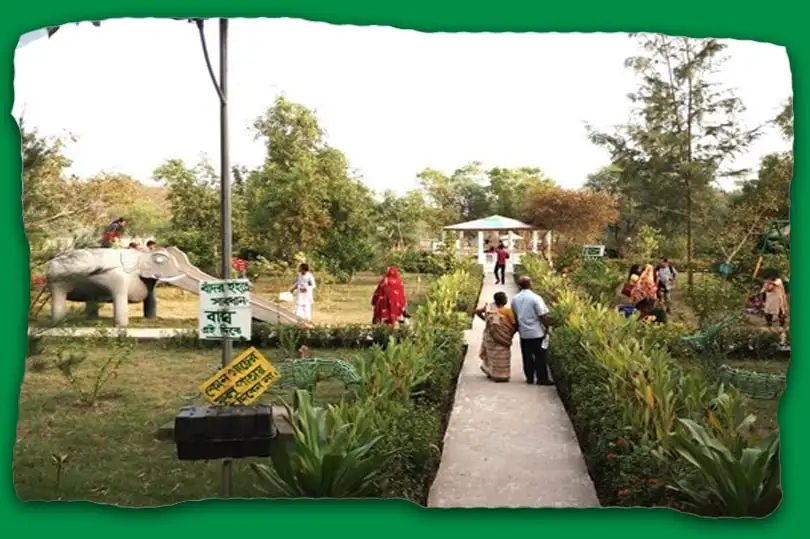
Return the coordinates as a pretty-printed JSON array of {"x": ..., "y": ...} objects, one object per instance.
[
  {"x": 58, "y": 462},
  {"x": 331, "y": 457},
  {"x": 714, "y": 298},
  {"x": 289, "y": 340},
  {"x": 394, "y": 373},
  {"x": 89, "y": 386},
  {"x": 646, "y": 243},
  {"x": 598, "y": 279},
  {"x": 736, "y": 481}
]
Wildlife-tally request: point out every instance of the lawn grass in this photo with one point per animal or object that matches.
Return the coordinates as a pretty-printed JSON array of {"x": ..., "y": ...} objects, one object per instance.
[
  {"x": 766, "y": 410},
  {"x": 335, "y": 304},
  {"x": 113, "y": 456}
]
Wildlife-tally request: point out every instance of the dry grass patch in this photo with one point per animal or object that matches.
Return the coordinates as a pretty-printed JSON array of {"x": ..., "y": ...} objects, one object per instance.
[{"x": 335, "y": 304}]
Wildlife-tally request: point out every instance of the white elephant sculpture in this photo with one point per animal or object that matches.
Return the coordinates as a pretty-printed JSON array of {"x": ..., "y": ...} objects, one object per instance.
[{"x": 117, "y": 276}]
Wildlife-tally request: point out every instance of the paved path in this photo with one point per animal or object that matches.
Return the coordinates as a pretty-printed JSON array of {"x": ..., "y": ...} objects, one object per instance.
[
  {"x": 508, "y": 444},
  {"x": 135, "y": 333}
]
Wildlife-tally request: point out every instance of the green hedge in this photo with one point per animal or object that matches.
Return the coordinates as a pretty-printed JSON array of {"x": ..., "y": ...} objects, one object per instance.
[
  {"x": 415, "y": 434},
  {"x": 622, "y": 476}
]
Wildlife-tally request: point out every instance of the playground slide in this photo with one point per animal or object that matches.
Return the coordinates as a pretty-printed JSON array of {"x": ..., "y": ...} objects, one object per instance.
[{"x": 262, "y": 310}]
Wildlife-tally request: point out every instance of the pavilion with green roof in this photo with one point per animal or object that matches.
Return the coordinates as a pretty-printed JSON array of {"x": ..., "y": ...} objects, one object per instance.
[{"x": 493, "y": 223}]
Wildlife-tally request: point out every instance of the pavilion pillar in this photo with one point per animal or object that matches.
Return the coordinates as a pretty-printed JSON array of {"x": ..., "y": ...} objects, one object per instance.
[
  {"x": 535, "y": 238},
  {"x": 481, "y": 255},
  {"x": 511, "y": 243}
]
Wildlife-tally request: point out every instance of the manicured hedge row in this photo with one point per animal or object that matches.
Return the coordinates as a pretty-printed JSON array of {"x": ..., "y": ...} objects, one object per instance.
[
  {"x": 415, "y": 434},
  {"x": 626, "y": 392},
  {"x": 623, "y": 473}
]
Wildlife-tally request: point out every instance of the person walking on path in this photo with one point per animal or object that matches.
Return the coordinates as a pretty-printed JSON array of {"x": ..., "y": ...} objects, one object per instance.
[
  {"x": 303, "y": 290},
  {"x": 532, "y": 321},
  {"x": 501, "y": 256},
  {"x": 496, "y": 346},
  {"x": 665, "y": 275}
]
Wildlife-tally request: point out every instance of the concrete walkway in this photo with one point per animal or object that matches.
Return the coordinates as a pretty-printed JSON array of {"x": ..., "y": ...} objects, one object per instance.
[
  {"x": 508, "y": 444},
  {"x": 135, "y": 333}
]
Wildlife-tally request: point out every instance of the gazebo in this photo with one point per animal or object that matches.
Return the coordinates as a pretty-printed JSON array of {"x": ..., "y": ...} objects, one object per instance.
[{"x": 494, "y": 223}]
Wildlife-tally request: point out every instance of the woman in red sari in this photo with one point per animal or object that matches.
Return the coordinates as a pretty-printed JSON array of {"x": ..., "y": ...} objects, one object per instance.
[{"x": 389, "y": 299}]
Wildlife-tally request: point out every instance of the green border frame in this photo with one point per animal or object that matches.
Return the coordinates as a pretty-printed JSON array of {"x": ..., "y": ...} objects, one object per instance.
[{"x": 774, "y": 22}]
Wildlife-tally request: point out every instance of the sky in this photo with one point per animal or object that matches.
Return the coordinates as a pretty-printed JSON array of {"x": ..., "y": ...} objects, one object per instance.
[{"x": 135, "y": 92}]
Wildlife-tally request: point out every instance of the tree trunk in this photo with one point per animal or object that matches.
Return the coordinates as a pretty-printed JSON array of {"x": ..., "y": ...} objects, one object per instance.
[{"x": 689, "y": 274}]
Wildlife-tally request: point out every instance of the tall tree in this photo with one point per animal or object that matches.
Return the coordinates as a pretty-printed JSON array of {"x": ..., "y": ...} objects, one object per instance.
[
  {"x": 686, "y": 131},
  {"x": 401, "y": 220},
  {"x": 193, "y": 196},
  {"x": 579, "y": 216},
  {"x": 508, "y": 187},
  {"x": 461, "y": 196},
  {"x": 304, "y": 199},
  {"x": 59, "y": 212}
]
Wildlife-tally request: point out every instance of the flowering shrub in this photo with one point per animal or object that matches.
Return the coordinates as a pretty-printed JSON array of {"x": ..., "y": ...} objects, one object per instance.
[
  {"x": 239, "y": 266},
  {"x": 38, "y": 280}
]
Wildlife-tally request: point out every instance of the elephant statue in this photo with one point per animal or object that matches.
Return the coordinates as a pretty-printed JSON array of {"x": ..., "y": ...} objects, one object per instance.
[{"x": 117, "y": 276}]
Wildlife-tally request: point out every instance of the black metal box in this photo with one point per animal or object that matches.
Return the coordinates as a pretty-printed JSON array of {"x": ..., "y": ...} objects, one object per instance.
[{"x": 219, "y": 432}]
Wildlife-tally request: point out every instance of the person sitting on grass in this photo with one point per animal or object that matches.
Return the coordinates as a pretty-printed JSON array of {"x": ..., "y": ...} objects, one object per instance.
[{"x": 650, "y": 313}]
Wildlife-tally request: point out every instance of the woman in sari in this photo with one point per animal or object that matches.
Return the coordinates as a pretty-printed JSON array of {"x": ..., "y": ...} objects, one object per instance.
[
  {"x": 645, "y": 286},
  {"x": 775, "y": 302},
  {"x": 389, "y": 299},
  {"x": 496, "y": 346}
]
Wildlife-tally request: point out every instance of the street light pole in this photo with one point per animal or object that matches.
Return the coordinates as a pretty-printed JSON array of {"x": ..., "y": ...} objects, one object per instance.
[{"x": 226, "y": 231}]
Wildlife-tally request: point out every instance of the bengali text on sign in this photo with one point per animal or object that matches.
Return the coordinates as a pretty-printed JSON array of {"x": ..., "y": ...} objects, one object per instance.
[
  {"x": 225, "y": 310},
  {"x": 242, "y": 381}
]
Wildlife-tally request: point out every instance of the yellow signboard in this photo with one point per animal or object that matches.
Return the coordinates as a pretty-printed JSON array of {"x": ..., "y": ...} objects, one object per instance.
[{"x": 242, "y": 381}]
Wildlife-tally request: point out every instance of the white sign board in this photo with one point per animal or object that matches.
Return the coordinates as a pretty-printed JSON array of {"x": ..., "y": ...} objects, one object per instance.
[
  {"x": 225, "y": 309},
  {"x": 593, "y": 251}
]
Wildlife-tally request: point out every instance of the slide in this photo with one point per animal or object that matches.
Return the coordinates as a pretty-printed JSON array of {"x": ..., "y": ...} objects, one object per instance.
[{"x": 262, "y": 310}]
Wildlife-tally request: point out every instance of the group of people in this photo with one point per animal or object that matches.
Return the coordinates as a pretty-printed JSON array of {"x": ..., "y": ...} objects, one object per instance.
[
  {"x": 649, "y": 290},
  {"x": 150, "y": 246},
  {"x": 527, "y": 315},
  {"x": 111, "y": 238}
]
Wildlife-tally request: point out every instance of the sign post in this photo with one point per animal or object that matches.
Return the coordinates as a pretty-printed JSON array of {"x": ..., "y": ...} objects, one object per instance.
[
  {"x": 225, "y": 311},
  {"x": 242, "y": 381},
  {"x": 591, "y": 252},
  {"x": 226, "y": 232}
]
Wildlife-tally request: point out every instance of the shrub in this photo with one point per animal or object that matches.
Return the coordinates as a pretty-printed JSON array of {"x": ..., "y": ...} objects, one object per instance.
[
  {"x": 645, "y": 244},
  {"x": 332, "y": 455},
  {"x": 714, "y": 298},
  {"x": 726, "y": 479},
  {"x": 628, "y": 399},
  {"x": 597, "y": 279},
  {"x": 413, "y": 262},
  {"x": 69, "y": 357},
  {"x": 566, "y": 256},
  {"x": 406, "y": 392}
]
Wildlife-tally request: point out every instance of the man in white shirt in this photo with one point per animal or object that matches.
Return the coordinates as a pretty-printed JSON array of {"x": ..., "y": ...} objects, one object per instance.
[{"x": 532, "y": 319}]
